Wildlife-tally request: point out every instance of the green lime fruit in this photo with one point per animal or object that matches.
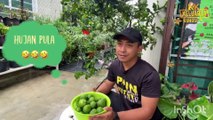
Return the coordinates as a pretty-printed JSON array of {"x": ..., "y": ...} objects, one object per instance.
[
  {"x": 83, "y": 97},
  {"x": 87, "y": 109},
  {"x": 93, "y": 111},
  {"x": 78, "y": 109},
  {"x": 89, "y": 96},
  {"x": 99, "y": 109},
  {"x": 101, "y": 103},
  {"x": 88, "y": 102},
  {"x": 91, "y": 99},
  {"x": 81, "y": 103},
  {"x": 97, "y": 99},
  {"x": 93, "y": 104}
]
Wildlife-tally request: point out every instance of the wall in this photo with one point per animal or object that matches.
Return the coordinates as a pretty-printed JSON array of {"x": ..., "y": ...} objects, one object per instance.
[
  {"x": 48, "y": 8},
  {"x": 153, "y": 56},
  {"x": 19, "y": 76}
]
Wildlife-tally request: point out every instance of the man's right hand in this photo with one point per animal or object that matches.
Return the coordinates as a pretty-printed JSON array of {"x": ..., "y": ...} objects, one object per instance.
[{"x": 109, "y": 115}]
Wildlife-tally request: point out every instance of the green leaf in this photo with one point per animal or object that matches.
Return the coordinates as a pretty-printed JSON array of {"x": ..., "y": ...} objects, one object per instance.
[
  {"x": 66, "y": 0},
  {"x": 176, "y": 47},
  {"x": 210, "y": 88},
  {"x": 211, "y": 117},
  {"x": 164, "y": 89},
  {"x": 207, "y": 114},
  {"x": 78, "y": 74},
  {"x": 88, "y": 65},
  {"x": 202, "y": 117},
  {"x": 163, "y": 21},
  {"x": 154, "y": 6},
  {"x": 168, "y": 109},
  {"x": 161, "y": 76},
  {"x": 209, "y": 109},
  {"x": 196, "y": 107}
]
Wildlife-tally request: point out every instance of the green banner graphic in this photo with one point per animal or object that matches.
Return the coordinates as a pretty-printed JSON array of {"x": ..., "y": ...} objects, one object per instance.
[{"x": 33, "y": 43}]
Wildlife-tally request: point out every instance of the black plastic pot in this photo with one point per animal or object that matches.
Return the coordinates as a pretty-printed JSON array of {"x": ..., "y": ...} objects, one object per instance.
[
  {"x": 20, "y": 21},
  {"x": 1, "y": 19},
  {"x": 15, "y": 21},
  {"x": 13, "y": 64},
  {"x": 4, "y": 65},
  {"x": 2, "y": 39},
  {"x": 7, "y": 21}
]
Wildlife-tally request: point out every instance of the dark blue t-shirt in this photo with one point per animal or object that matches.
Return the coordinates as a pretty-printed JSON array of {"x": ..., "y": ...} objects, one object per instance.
[{"x": 140, "y": 80}]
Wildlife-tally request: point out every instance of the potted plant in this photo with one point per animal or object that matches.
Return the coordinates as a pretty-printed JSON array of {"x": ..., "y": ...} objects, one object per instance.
[
  {"x": 4, "y": 65},
  {"x": 3, "y": 31},
  {"x": 90, "y": 50},
  {"x": 182, "y": 103},
  {"x": 7, "y": 21},
  {"x": 15, "y": 21},
  {"x": 169, "y": 99},
  {"x": 13, "y": 64},
  {"x": 202, "y": 107},
  {"x": 71, "y": 34},
  {"x": 1, "y": 19}
]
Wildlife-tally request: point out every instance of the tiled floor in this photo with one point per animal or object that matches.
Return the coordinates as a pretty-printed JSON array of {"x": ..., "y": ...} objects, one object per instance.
[{"x": 44, "y": 97}]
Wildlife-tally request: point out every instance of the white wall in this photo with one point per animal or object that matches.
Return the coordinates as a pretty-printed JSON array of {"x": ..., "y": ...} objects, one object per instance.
[
  {"x": 153, "y": 56},
  {"x": 48, "y": 8}
]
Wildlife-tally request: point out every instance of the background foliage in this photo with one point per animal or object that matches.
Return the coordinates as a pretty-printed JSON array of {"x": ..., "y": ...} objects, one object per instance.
[
  {"x": 102, "y": 19},
  {"x": 113, "y": 16}
]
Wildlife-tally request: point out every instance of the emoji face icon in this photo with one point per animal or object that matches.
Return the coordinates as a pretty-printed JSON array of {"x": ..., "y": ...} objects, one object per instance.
[
  {"x": 25, "y": 54},
  {"x": 44, "y": 54},
  {"x": 34, "y": 54}
]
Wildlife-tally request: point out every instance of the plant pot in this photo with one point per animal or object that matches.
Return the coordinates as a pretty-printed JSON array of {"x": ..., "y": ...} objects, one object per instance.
[
  {"x": 1, "y": 19},
  {"x": 20, "y": 21},
  {"x": 7, "y": 21},
  {"x": 4, "y": 65},
  {"x": 13, "y": 64},
  {"x": 2, "y": 39},
  {"x": 15, "y": 21}
]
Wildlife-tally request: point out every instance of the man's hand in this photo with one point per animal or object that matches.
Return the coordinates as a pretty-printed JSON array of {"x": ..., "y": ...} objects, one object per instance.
[{"x": 106, "y": 116}]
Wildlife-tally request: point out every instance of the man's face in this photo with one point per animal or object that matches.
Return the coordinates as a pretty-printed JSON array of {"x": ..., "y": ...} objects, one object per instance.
[{"x": 127, "y": 51}]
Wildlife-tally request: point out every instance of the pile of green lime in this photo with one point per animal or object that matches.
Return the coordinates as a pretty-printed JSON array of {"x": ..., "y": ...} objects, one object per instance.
[{"x": 89, "y": 104}]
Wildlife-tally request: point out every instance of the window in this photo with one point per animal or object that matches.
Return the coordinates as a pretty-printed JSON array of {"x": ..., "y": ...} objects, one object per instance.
[
  {"x": 27, "y": 4},
  {"x": 5, "y": 2},
  {"x": 14, "y": 5}
]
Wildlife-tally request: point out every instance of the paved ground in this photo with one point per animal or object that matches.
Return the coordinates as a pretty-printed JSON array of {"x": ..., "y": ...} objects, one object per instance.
[{"x": 44, "y": 97}]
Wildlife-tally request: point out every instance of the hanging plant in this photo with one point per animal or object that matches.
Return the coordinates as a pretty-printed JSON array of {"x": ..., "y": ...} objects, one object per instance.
[{"x": 89, "y": 51}]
